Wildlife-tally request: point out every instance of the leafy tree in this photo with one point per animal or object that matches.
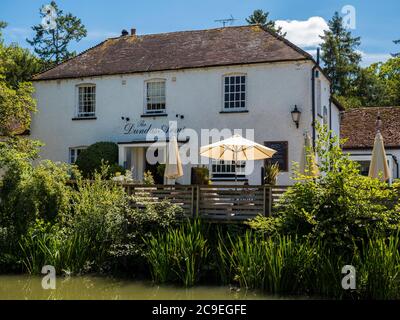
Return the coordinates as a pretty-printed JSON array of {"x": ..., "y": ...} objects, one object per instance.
[
  {"x": 341, "y": 60},
  {"x": 398, "y": 53},
  {"x": 51, "y": 44},
  {"x": 16, "y": 102},
  {"x": 19, "y": 65},
  {"x": 261, "y": 17}
]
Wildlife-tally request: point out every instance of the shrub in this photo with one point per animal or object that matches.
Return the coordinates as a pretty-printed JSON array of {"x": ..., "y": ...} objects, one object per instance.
[
  {"x": 271, "y": 172},
  {"x": 339, "y": 207},
  {"x": 152, "y": 218},
  {"x": 32, "y": 192},
  {"x": 92, "y": 158}
]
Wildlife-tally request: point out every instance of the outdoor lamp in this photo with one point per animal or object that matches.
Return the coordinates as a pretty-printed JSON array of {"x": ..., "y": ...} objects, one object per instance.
[{"x": 296, "y": 115}]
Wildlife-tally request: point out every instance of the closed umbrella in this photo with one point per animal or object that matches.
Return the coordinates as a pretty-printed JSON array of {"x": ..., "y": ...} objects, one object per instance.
[
  {"x": 173, "y": 166},
  {"x": 308, "y": 164},
  {"x": 379, "y": 166},
  {"x": 236, "y": 148}
]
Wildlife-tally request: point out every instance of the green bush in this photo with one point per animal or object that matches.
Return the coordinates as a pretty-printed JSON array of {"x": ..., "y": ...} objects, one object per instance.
[
  {"x": 340, "y": 207},
  {"x": 152, "y": 218},
  {"x": 32, "y": 192},
  {"x": 91, "y": 159}
]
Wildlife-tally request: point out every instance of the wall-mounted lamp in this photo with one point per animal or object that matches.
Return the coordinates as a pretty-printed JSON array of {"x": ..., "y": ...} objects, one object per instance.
[{"x": 296, "y": 113}]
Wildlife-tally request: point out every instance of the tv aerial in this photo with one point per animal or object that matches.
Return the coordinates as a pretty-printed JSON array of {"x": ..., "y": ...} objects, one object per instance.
[{"x": 224, "y": 22}]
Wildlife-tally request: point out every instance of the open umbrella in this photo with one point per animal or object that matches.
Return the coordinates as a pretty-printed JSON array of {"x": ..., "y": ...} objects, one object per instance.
[
  {"x": 308, "y": 164},
  {"x": 173, "y": 166},
  {"x": 236, "y": 148},
  {"x": 379, "y": 166}
]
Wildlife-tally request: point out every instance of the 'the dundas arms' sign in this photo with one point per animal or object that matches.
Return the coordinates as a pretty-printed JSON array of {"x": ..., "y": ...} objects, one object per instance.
[{"x": 142, "y": 128}]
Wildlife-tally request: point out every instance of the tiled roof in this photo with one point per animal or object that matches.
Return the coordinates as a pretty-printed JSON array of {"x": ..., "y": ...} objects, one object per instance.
[
  {"x": 178, "y": 50},
  {"x": 358, "y": 126}
]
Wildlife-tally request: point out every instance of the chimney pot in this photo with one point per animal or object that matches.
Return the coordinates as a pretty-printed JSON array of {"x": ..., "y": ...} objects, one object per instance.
[{"x": 133, "y": 31}]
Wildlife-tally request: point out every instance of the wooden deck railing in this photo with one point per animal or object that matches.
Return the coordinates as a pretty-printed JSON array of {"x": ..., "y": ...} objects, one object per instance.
[{"x": 213, "y": 202}]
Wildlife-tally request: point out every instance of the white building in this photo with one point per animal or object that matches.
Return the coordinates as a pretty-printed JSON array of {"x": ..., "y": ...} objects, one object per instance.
[
  {"x": 358, "y": 127},
  {"x": 234, "y": 78}
]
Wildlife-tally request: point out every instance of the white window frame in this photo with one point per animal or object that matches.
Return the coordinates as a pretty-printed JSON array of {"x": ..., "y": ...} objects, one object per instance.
[
  {"x": 226, "y": 104},
  {"x": 75, "y": 150},
  {"x": 218, "y": 171},
  {"x": 79, "y": 99},
  {"x": 146, "y": 99}
]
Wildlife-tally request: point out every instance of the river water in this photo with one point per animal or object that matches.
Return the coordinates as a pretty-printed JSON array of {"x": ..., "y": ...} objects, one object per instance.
[{"x": 24, "y": 287}]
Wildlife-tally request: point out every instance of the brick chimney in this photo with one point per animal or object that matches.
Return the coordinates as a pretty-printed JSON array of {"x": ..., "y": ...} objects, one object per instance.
[{"x": 133, "y": 32}]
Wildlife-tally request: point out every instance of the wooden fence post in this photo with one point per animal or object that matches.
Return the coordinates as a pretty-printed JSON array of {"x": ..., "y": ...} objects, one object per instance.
[
  {"x": 270, "y": 201},
  {"x": 197, "y": 201},
  {"x": 265, "y": 200}
]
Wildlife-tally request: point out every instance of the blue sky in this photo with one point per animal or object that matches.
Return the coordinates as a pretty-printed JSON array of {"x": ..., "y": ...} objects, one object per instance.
[{"x": 377, "y": 22}]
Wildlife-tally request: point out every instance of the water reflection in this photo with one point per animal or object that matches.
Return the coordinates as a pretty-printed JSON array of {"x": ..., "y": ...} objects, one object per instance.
[{"x": 102, "y": 288}]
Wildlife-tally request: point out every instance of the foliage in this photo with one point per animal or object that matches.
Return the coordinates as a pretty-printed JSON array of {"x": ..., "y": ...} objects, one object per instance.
[
  {"x": 19, "y": 65},
  {"x": 201, "y": 175},
  {"x": 379, "y": 268},
  {"x": 92, "y": 159},
  {"x": 340, "y": 56},
  {"x": 148, "y": 178},
  {"x": 52, "y": 45},
  {"x": 16, "y": 106},
  {"x": 31, "y": 192},
  {"x": 261, "y": 17},
  {"x": 271, "y": 172},
  {"x": 339, "y": 207},
  {"x": 178, "y": 254}
]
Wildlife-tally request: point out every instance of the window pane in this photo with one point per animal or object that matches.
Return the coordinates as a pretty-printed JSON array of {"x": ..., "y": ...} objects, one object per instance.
[
  {"x": 235, "y": 92},
  {"x": 155, "y": 96},
  {"x": 86, "y": 101}
]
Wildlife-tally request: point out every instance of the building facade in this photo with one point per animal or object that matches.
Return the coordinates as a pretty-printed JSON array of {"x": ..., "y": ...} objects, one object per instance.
[
  {"x": 358, "y": 128},
  {"x": 235, "y": 78}
]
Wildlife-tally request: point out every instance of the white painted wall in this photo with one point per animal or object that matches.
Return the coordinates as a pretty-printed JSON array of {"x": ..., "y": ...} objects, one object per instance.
[{"x": 272, "y": 91}]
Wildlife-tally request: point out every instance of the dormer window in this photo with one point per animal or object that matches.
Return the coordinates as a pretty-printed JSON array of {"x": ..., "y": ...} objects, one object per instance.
[
  {"x": 86, "y": 104},
  {"x": 155, "y": 97}
]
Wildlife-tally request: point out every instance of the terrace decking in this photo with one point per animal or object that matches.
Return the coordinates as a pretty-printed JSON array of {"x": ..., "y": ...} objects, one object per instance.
[{"x": 213, "y": 202}]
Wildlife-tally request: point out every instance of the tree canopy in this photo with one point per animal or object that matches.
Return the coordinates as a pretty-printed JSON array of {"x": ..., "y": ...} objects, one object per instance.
[
  {"x": 261, "y": 17},
  {"x": 16, "y": 101},
  {"x": 340, "y": 56},
  {"x": 51, "y": 42}
]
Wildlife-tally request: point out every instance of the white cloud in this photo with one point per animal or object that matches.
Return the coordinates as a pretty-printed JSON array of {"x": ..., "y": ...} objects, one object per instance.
[
  {"x": 16, "y": 33},
  {"x": 304, "y": 33},
  {"x": 369, "y": 58}
]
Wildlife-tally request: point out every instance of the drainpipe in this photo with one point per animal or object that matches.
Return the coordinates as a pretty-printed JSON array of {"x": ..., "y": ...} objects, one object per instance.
[
  {"x": 313, "y": 97},
  {"x": 313, "y": 103}
]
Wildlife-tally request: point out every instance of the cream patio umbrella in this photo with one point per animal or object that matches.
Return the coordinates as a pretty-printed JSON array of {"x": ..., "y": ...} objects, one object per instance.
[
  {"x": 173, "y": 166},
  {"x": 379, "y": 166},
  {"x": 236, "y": 148},
  {"x": 308, "y": 164}
]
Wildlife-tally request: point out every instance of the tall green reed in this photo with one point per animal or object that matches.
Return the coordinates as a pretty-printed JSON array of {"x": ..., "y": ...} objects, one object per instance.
[{"x": 179, "y": 254}]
